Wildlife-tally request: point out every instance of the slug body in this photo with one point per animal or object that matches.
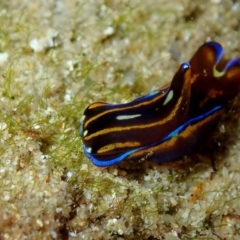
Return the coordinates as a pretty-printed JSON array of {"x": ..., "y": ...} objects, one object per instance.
[{"x": 168, "y": 123}]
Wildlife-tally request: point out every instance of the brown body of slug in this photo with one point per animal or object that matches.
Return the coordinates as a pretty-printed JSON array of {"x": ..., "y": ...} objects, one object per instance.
[{"x": 167, "y": 123}]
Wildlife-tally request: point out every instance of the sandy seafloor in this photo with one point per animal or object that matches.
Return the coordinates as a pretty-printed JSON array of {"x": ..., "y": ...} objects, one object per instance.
[{"x": 56, "y": 57}]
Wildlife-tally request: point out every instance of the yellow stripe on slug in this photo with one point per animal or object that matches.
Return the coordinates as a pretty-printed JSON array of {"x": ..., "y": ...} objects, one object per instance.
[{"x": 118, "y": 145}]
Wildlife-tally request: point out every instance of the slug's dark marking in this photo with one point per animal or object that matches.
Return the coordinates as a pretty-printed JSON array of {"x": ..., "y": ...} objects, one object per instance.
[{"x": 167, "y": 123}]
